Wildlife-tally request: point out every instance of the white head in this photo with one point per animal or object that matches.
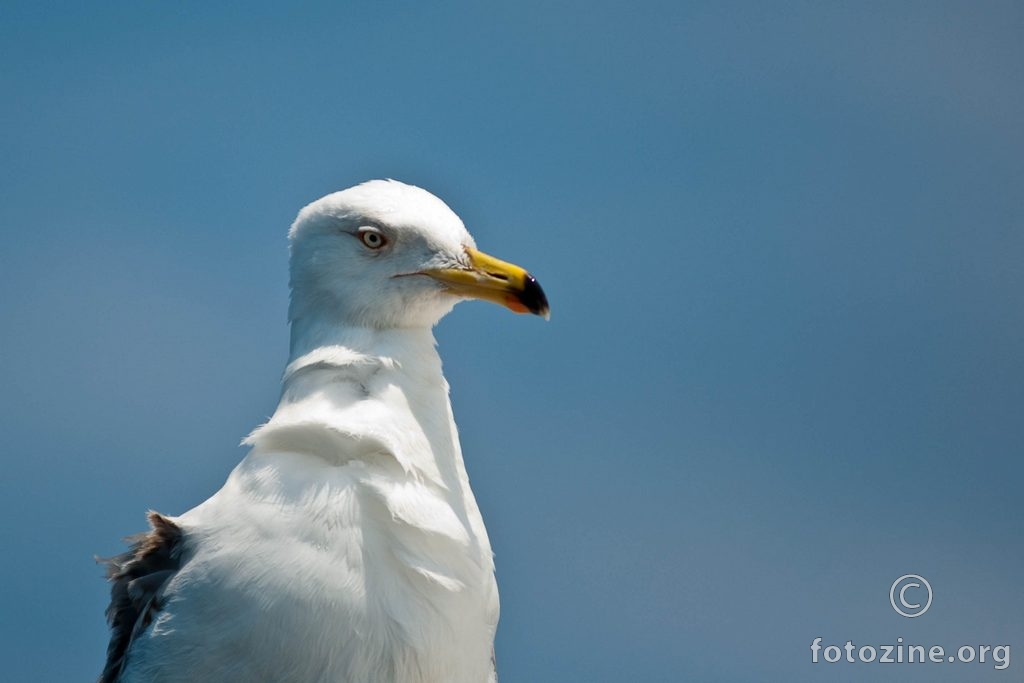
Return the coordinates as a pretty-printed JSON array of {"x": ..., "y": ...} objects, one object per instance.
[{"x": 385, "y": 254}]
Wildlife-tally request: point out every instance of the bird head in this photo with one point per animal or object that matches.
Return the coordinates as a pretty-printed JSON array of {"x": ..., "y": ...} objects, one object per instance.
[{"x": 386, "y": 254}]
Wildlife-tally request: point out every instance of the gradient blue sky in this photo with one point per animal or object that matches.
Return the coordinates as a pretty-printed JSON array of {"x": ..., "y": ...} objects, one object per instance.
[{"x": 784, "y": 246}]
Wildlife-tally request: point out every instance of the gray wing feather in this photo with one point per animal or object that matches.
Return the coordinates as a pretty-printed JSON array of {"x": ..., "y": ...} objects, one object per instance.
[{"x": 137, "y": 578}]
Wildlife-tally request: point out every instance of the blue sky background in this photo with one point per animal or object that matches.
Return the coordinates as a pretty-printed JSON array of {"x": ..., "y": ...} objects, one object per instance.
[{"x": 784, "y": 246}]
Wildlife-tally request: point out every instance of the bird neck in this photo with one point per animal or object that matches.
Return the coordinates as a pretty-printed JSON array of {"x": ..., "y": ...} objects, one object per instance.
[
  {"x": 343, "y": 382},
  {"x": 313, "y": 336}
]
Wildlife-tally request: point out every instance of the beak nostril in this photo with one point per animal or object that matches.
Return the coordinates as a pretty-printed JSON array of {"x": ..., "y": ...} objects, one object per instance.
[{"x": 499, "y": 276}]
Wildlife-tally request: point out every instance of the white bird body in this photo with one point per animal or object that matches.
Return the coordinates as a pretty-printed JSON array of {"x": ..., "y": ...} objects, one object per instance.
[
  {"x": 347, "y": 554},
  {"x": 347, "y": 546}
]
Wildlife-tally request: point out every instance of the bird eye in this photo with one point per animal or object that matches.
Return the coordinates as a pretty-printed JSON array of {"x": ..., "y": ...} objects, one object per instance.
[{"x": 372, "y": 239}]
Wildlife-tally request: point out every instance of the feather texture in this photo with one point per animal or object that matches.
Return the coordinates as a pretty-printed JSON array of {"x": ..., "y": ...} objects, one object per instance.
[{"x": 138, "y": 577}]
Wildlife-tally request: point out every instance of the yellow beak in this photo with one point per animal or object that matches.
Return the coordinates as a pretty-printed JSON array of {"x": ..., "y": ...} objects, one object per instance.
[{"x": 494, "y": 280}]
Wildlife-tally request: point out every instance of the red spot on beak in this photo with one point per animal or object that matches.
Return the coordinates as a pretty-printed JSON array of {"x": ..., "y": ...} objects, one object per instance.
[{"x": 512, "y": 302}]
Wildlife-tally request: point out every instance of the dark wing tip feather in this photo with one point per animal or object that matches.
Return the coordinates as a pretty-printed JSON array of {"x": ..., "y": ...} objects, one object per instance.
[{"x": 136, "y": 578}]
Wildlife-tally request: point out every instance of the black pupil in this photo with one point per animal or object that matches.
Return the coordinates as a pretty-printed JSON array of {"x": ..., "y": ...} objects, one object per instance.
[{"x": 373, "y": 239}]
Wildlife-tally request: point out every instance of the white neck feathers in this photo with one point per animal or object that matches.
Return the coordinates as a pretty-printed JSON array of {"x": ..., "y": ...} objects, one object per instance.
[{"x": 376, "y": 395}]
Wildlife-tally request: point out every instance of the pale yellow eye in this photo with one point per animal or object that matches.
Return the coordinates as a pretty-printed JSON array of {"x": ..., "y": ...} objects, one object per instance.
[{"x": 372, "y": 239}]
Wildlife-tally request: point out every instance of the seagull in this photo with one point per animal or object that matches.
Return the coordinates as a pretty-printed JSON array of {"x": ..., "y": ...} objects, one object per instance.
[{"x": 347, "y": 545}]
